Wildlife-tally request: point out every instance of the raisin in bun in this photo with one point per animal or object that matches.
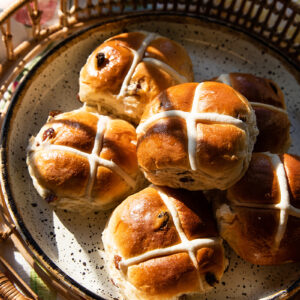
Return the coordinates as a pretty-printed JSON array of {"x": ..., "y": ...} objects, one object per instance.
[
  {"x": 260, "y": 218},
  {"x": 128, "y": 70},
  {"x": 161, "y": 243},
  {"x": 196, "y": 136},
  {"x": 83, "y": 161},
  {"x": 268, "y": 103}
]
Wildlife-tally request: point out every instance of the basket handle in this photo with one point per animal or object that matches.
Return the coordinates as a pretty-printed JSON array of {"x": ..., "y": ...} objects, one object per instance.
[
  {"x": 8, "y": 290},
  {"x": 9, "y": 279},
  {"x": 9, "y": 231}
]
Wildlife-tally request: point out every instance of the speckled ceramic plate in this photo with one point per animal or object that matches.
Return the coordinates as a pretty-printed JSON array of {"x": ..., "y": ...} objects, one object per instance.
[{"x": 71, "y": 245}]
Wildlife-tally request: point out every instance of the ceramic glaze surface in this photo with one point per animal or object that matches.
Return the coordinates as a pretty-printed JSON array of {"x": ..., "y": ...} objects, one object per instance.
[{"x": 73, "y": 243}]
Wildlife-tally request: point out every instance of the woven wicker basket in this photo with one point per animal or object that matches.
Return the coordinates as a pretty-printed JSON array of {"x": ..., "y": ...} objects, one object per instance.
[{"x": 275, "y": 23}]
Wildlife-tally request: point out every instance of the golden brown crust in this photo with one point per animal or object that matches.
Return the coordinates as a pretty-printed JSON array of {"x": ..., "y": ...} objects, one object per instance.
[
  {"x": 101, "y": 79},
  {"x": 219, "y": 98},
  {"x": 194, "y": 212},
  {"x": 273, "y": 123},
  {"x": 108, "y": 187},
  {"x": 61, "y": 173},
  {"x": 130, "y": 40},
  {"x": 164, "y": 145},
  {"x": 143, "y": 223},
  {"x": 252, "y": 235},
  {"x": 274, "y": 127},
  {"x": 148, "y": 81},
  {"x": 210, "y": 262},
  {"x": 214, "y": 97},
  {"x": 292, "y": 169},
  {"x": 76, "y": 130},
  {"x": 119, "y": 145},
  {"x": 60, "y": 166},
  {"x": 179, "y": 97},
  {"x": 262, "y": 176},
  {"x": 222, "y": 150},
  {"x": 173, "y": 274},
  {"x": 255, "y": 233},
  {"x": 257, "y": 89},
  {"x": 171, "y": 53},
  {"x": 108, "y": 77},
  {"x": 289, "y": 250},
  {"x": 159, "y": 219}
]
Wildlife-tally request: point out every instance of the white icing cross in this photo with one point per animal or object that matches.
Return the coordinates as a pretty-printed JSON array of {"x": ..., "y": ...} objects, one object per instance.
[
  {"x": 138, "y": 57},
  {"x": 186, "y": 245},
  {"x": 101, "y": 127},
  {"x": 268, "y": 106},
  {"x": 191, "y": 118},
  {"x": 284, "y": 205},
  {"x": 225, "y": 78},
  {"x": 93, "y": 158}
]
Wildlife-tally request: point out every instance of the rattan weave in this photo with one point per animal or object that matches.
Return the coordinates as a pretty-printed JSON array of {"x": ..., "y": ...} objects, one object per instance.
[{"x": 275, "y": 22}]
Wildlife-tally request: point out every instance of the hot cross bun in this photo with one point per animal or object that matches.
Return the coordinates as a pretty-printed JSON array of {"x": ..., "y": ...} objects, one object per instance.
[
  {"x": 196, "y": 136},
  {"x": 128, "y": 70},
  {"x": 82, "y": 161},
  {"x": 268, "y": 103},
  {"x": 161, "y": 243},
  {"x": 260, "y": 217}
]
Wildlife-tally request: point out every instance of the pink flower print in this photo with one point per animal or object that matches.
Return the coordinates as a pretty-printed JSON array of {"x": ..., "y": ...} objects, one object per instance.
[
  {"x": 15, "y": 85},
  {"x": 47, "y": 8}
]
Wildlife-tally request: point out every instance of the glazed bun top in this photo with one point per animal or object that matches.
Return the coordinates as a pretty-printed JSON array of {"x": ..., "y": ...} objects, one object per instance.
[
  {"x": 138, "y": 65},
  {"x": 267, "y": 100},
  {"x": 154, "y": 224},
  {"x": 112, "y": 61},
  {"x": 276, "y": 179},
  {"x": 207, "y": 127},
  {"x": 266, "y": 203},
  {"x": 84, "y": 161},
  {"x": 254, "y": 88},
  {"x": 163, "y": 243}
]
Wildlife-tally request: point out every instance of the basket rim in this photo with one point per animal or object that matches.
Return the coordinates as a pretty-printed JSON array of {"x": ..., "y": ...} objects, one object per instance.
[
  {"x": 13, "y": 7},
  {"x": 4, "y": 137},
  {"x": 11, "y": 67}
]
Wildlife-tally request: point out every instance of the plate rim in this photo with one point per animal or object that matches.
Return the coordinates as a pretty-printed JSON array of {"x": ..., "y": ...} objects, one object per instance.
[{"x": 9, "y": 201}]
